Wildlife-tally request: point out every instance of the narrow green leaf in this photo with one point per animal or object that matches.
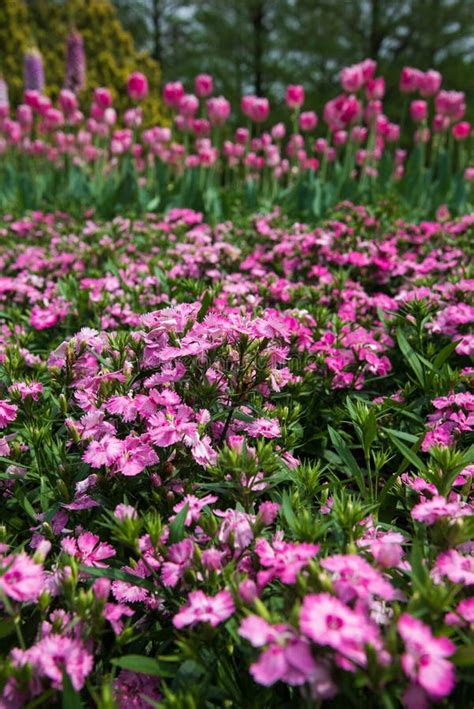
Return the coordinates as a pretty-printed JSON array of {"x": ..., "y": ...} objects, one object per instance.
[
  {"x": 144, "y": 665},
  {"x": 345, "y": 454},
  {"x": 70, "y": 698},
  {"x": 177, "y": 526}
]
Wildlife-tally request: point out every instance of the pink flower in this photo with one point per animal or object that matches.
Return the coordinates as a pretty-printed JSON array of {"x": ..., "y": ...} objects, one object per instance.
[
  {"x": 102, "y": 97},
  {"x": 103, "y": 452},
  {"x": 268, "y": 512},
  {"x": 7, "y": 412},
  {"x": 123, "y": 512},
  {"x": 195, "y": 507},
  {"x": 294, "y": 96},
  {"x": 456, "y": 567},
  {"x": 283, "y": 560},
  {"x": 267, "y": 428},
  {"x": 461, "y": 131},
  {"x": 137, "y": 86},
  {"x": 418, "y": 111},
  {"x": 180, "y": 558},
  {"x": 88, "y": 548},
  {"x": 308, "y": 120},
  {"x": 205, "y": 609},
  {"x": 56, "y": 654},
  {"x": 352, "y": 78},
  {"x": 429, "y": 82},
  {"x": 438, "y": 508},
  {"x": 113, "y": 612},
  {"x": 218, "y": 110},
  {"x": 410, "y": 79},
  {"x": 328, "y": 621},
  {"x": 356, "y": 578},
  {"x": 21, "y": 578},
  {"x": 203, "y": 85},
  {"x": 424, "y": 660},
  {"x": 172, "y": 93},
  {"x": 287, "y": 658}
]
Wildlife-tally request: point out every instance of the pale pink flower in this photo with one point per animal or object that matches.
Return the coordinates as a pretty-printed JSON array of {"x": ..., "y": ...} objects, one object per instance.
[
  {"x": 88, "y": 548},
  {"x": 21, "y": 578},
  {"x": 205, "y": 609},
  {"x": 424, "y": 660},
  {"x": 7, "y": 413}
]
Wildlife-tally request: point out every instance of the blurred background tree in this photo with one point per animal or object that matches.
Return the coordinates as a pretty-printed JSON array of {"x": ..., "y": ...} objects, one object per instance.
[
  {"x": 111, "y": 50},
  {"x": 259, "y": 46},
  {"x": 249, "y": 46}
]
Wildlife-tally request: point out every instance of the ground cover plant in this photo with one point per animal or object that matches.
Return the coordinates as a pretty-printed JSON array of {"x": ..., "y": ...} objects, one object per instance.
[{"x": 236, "y": 460}]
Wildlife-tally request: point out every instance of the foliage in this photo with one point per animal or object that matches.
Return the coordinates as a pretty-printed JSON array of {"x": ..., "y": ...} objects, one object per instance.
[{"x": 110, "y": 51}]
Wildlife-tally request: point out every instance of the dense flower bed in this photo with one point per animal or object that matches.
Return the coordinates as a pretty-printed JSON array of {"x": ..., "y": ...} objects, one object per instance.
[{"x": 236, "y": 465}]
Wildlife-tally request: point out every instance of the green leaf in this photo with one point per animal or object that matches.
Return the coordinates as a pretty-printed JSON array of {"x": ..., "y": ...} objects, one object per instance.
[
  {"x": 177, "y": 528},
  {"x": 411, "y": 357},
  {"x": 408, "y": 453},
  {"x": 117, "y": 575},
  {"x": 205, "y": 305},
  {"x": 345, "y": 454},
  {"x": 287, "y": 510},
  {"x": 464, "y": 656},
  {"x": 70, "y": 698},
  {"x": 144, "y": 665}
]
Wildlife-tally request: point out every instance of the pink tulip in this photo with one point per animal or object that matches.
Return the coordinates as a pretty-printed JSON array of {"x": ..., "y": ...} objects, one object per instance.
[
  {"x": 294, "y": 96},
  {"x": 375, "y": 88},
  {"x": 242, "y": 135},
  {"x": 352, "y": 78},
  {"x": 24, "y": 115},
  {"x": 409, "y": 79},
  {"x": 260, "y": 109},
  {"x": 67, "y": 101},
  {"x": 308, "y": 121},
  {"x": 102, "y": 97},
  {"x": 340, "y": 138},
  {"x": 172, "y": 93},
  {"x": 368, "y": 67},
  {"x": 451, "y": 104},
  {"x": 137, "y": 86},
  {"x": 218, "y": 109},
  {"x": 461, "y": 131},
  {"x": 469, "y": 174},
  {"x": 278, "y": 131},
  {"x": 188, "y": 105},
  {"x": 203, "y": 85},
  {"x": 429, "y": 82},
  {"x": 418, "y": 111},
  {"x": 201, "y": 127}
]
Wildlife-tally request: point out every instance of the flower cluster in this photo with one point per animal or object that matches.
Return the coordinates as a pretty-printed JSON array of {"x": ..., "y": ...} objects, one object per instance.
[{"x": 236, "y": 461}]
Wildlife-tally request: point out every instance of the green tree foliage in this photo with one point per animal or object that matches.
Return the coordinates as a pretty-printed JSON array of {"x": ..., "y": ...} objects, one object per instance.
[
  {"x": 262, "y": 45},
  {"x": 110, "y": 51}
]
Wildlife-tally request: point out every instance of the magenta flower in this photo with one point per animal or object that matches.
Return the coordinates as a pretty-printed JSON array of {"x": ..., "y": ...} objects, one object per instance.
[
  {"x": 457, "y": 568},
  {"x": 195, "y": 507},
  {"x": 205, "y": 609},
  {"x": 7, "y": 413},
  {"x": 328, "y": 621},
  {"x": 21, "y": 578},
  {"x": 283, "y": 560},
  {"x": 88, "y": 548},
  {"x": 179, "y": 559},
  {"x": 104, "y": 452},
  {"x": 424, "y": 660},
  {"x": 137, "y": 86}
]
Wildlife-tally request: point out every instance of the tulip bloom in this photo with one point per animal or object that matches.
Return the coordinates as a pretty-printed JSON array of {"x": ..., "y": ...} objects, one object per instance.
[{"x": 137, "y": 86}]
